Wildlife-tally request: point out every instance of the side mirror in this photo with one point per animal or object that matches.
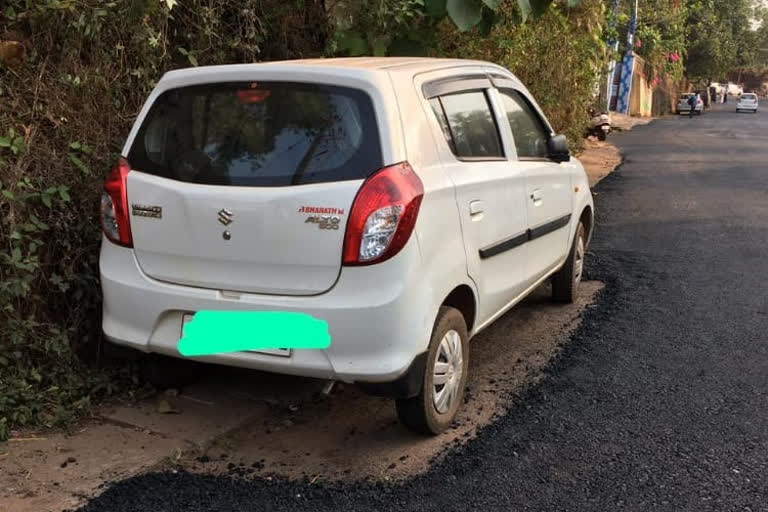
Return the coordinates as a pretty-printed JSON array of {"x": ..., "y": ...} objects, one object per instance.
[{"x": 558, "y": 148}]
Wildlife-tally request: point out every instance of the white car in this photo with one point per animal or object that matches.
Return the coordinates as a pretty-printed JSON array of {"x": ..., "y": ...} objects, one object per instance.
[
  {"x": 407, "y": 202},
  {"x": 747, "y": 101},
  {"x": 683, "y": 107}
]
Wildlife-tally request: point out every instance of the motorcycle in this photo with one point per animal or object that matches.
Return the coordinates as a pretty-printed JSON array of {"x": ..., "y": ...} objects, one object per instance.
[{"x": 599, "y": 125}]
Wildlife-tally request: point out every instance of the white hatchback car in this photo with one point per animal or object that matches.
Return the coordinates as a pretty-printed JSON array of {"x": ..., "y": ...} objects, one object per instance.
[
  {"x": 407, "y": 202},
  {"x": 747, "y": 101},
  {"x": 683, "y": 107}
]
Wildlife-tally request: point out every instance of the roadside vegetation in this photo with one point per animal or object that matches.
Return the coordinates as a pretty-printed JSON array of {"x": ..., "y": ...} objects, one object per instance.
[{"x": 73, "y": 75}]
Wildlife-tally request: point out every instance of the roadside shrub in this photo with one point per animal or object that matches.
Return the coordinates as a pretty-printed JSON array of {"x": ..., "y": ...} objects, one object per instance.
[
  {"x": 73, "y": 75},
  {"x": 557, "y": 56}
]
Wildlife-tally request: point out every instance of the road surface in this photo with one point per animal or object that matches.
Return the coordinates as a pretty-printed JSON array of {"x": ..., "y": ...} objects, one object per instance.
[{"x": 660, "y": 402}]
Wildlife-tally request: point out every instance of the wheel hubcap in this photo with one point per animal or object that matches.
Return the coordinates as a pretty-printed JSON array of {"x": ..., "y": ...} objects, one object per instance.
[
  {"x": 578, "y": 263},
  {"x": 447, "y": 372}
]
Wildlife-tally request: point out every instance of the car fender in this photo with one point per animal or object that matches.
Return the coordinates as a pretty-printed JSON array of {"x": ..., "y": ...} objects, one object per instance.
[
  {"x": 441, "y": 274},
  {"x": 582, "y": 198},
  {"x": 438, "y": 229}
]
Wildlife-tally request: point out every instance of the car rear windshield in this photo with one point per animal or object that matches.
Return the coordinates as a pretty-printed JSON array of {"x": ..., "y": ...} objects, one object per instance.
[
  {"x": 748, "y": 96},
  {"x": 264, "y": 134}
]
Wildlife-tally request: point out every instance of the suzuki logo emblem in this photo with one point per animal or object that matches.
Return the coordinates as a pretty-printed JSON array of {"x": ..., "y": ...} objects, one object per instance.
[{"x": 226, "y": 216}]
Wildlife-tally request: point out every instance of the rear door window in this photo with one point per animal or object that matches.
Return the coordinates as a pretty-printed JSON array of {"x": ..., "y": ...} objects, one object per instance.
[
  {"x": 468, "y": 124},
  {"x": 259, "y": 134}
]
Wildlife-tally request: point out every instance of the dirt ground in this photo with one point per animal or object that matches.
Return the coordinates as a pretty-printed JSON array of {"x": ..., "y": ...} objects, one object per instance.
[
  {"x": 599, "y": 158},
  {"x": 622, "y": 122},
  {"x": 320, "y": 439},
  {"x": 60, "y": 471},
  {"x": 257, "y": 424}
]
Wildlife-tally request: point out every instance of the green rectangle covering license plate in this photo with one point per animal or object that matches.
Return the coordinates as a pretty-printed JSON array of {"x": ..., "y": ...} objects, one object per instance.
[{"x": 270, "y": 332}]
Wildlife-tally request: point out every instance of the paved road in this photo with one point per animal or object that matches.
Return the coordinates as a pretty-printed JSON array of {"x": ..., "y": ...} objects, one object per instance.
[{"x": 661, "y": 400}]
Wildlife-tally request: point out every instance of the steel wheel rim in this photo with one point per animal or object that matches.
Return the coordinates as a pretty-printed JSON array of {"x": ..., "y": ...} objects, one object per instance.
[
  {"x": 578, "y": 263},
  {"x": 447, "y": 372}
]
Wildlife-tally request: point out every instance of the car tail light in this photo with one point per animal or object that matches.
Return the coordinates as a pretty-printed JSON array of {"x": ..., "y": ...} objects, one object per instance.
[
  {"x": 383, "y": 215},
  {"x": 114, "y": 205}
]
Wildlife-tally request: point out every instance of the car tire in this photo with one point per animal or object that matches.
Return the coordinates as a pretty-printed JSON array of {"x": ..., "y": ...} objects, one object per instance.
[
  {"x": 601, "y": 135},
  {"x": 435, "y": 407},
  {"x": 565, "y": 282},
  {"x": 165, "y": 372}
]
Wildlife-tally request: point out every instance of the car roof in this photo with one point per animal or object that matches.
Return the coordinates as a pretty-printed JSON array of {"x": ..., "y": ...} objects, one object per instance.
[
  {"x": 358, "y": 66},
  {"x": 416, "y": 64}
]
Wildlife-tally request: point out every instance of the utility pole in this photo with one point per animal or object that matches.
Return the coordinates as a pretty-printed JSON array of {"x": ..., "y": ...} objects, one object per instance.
[
  {"x": 613, "y": 45},
  {"x": 632, "y": 29},
  {"x": 627, "y": 65}
]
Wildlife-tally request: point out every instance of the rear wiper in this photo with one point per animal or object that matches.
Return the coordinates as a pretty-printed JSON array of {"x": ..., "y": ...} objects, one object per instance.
[{"x": 304, "y": 163}]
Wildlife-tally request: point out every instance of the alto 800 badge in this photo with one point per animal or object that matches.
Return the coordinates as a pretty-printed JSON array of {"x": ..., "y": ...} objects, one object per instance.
[{"x": 325, "y": 222}]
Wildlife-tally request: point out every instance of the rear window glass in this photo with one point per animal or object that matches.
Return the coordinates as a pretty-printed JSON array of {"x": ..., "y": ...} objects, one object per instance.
[
  {"x": 748, "y": 96},
  {"x": 259, "y": 134}
]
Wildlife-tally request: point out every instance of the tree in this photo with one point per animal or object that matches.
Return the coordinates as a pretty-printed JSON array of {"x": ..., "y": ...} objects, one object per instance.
[
  {"x": 719, "y": 37},
  {"x": 407, "y": 27}
]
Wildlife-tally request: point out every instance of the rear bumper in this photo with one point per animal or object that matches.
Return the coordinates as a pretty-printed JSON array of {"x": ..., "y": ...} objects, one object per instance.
[{"x": 379, "y": 317}]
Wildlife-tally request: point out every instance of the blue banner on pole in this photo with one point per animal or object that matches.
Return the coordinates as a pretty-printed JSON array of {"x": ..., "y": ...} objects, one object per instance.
[{"x": 625, "y": 84}]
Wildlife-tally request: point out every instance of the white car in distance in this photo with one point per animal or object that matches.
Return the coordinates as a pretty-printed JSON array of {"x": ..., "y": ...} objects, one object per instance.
[
  {"x": 748, "y": 102},
  {"x": 406, "y": 202},
  {"x": 683, "y": 107}
]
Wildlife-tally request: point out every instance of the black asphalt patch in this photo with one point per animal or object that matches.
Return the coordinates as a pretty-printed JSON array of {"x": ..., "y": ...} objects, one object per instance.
[{"x": 659, "y": 400}]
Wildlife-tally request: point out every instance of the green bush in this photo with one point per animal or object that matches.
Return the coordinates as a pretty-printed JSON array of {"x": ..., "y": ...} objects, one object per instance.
[
  {"x": 67, "y": 104},
  {"x": 558, "y": 56},
  {"x": 65, "y": 110}
]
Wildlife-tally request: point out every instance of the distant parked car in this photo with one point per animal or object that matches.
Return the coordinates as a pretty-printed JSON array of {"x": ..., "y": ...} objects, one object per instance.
[
  {"x": 684, "y": 108},
  {"x": 407, "y": 203},
  {"x": 747, "y": 102}
]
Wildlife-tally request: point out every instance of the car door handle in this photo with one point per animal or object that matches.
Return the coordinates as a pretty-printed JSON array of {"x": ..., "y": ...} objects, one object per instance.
[
  {"x": 476, "y": 209},
  {"x": 536, "y": 196}
]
